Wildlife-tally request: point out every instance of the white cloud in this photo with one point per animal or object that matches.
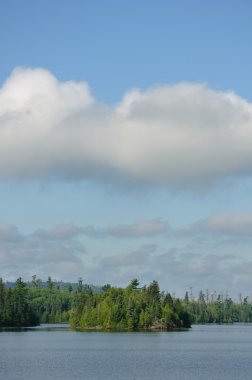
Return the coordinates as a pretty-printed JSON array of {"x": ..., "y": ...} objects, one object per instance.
[
  {"x": 141, "y": 228},
  {"x": 60, "y": 252},
  {"x": 25, "y": 255},
  {"x": 181, "y": 136},
  {"x": 138, "y": 257},
  {"x": 228, "y": 224},
  {"x": 9, "y": 233},
  {"x": 59, "y": 232}
]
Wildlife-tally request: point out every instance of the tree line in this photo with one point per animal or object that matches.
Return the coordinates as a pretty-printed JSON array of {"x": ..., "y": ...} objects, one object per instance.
[
  {"x": 108, "y": 307},
  {"x": 218, "y": 309}
]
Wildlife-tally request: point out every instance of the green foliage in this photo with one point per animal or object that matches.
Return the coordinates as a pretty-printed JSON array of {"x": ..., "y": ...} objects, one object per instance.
[
  {"x": 131, "y": 308},
  {"x": 51, "y": 305},
  {"x": 218, "y": 310},
  {"x": 23, "y": 306},
  {"x": 15, "y": 309},
  {"x": 49, "y": 283}
]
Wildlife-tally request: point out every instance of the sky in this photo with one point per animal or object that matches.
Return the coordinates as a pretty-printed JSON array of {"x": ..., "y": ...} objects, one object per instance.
[{"x": 125, "y": 143}]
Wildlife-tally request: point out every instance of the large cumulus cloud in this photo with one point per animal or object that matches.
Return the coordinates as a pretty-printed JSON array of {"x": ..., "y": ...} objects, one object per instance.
[{"x": 180, "y": 136}]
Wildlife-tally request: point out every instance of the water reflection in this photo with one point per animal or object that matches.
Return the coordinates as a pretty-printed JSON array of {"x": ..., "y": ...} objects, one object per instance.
[{"x": 42, "y": 327}]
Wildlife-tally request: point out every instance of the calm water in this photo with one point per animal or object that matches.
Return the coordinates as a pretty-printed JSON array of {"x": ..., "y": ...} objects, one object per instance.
[{"x": 201, "y": 353}]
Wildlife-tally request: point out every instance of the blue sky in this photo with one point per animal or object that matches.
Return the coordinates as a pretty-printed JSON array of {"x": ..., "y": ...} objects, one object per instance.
[{"x": 125, "y": 142}]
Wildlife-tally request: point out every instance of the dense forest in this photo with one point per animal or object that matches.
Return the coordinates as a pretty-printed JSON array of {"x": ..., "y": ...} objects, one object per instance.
[
  {"x": 132, "y": 308},
  {"x": 107, "y": 307},
  {"x": 15, "y": 309},
  {"x": 219, "y": 309},
  {"x": 21, "y": 305}
]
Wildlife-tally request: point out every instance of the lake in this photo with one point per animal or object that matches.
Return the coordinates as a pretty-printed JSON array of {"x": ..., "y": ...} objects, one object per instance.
[{"x": 216, "y": 352}]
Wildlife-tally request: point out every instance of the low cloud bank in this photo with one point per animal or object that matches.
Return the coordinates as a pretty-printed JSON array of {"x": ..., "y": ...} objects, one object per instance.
[
  {"x": 236, "y": 225},
  {"x": 141, "y": 228},
  {"x": 65, "y": 252}
]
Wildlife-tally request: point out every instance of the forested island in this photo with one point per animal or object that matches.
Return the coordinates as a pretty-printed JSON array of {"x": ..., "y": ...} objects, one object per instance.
[{"x": 112, "y": 308}]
